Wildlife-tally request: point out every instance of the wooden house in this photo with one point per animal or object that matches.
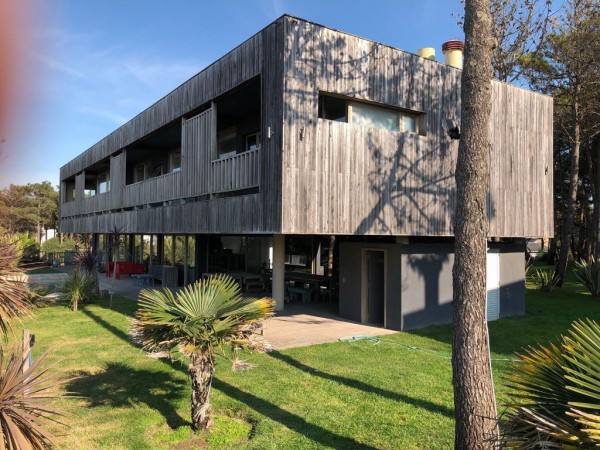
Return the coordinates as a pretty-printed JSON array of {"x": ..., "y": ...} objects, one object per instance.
[{"x": 309, "y": 147}]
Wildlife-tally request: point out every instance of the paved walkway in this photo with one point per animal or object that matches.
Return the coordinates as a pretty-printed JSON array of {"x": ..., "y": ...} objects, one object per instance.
[{"x": 299, "y": 325}]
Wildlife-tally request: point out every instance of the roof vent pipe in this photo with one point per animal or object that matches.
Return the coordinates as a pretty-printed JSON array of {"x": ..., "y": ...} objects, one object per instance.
[
  {"x": 453, "y": 51},
  {"x": 427, "y": 52}
]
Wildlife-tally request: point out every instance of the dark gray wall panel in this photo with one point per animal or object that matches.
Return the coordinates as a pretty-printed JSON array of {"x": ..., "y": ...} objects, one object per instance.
[
  {"x": 512, "y": 282},
  {"x": 426, "y": 285}
]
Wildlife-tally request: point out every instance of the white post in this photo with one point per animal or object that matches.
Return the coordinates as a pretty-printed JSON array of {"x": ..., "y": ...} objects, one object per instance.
[{"x": 279, "y": 271}]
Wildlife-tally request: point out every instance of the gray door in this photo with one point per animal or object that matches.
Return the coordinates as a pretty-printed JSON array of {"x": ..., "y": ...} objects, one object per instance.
[{"x": 375, "y": 287}]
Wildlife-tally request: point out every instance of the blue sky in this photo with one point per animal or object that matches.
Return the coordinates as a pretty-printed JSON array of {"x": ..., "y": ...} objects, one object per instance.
[{"x": 91, "y": 66}]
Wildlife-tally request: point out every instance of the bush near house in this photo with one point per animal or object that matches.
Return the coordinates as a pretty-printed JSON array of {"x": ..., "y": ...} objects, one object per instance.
[{"x": 54, "y": 245}]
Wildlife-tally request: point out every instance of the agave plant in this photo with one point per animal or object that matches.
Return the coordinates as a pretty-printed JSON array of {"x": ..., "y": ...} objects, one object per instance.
[
  {"x": 588, "y": 274},
  {"x": 78, "y": 288},
  {"x": 24, "y": 393},
  {"x": 556, "y": 403},
  {"x": 14, "y": 293},
  {"x": 545, "y": 280},
  {"x": 198, "y": 321}
]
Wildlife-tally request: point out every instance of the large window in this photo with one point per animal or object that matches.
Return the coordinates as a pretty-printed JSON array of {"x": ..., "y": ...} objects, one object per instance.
[
  {"x": 370, "y": 115},
  {"x": 175, "y": 161},
  {"x": 226, "y": 140},
  {"x": 103, "y": 183},
  {"x": 141, "y": 172}
]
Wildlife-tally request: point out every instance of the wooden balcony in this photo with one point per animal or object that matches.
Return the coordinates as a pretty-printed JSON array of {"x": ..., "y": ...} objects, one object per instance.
[{"x": 235, "y": 172}]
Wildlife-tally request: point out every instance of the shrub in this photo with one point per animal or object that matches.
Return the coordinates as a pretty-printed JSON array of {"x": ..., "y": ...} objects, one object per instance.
[
  {"x": 588, "y": 274},
  {"x": 78, "y": 288},
  {"x": 53, "y": 245},
  {"x": 545, "y": 280},
  {"x": 556, "y": 403},
  {"x": 28, "y": 247}
]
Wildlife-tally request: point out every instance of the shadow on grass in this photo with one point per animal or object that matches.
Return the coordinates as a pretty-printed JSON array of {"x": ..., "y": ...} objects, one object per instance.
[
  {"x": 119, "y": 385},
  {"x": 296, "y": 423},
  {"x": 547, "y": 316},
  {"x": 364, "y": 387},
  {"x": 110, "y": 327}
]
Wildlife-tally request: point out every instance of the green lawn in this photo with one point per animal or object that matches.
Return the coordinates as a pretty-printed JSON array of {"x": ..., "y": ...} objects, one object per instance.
[{"x": 342, "y": 396}]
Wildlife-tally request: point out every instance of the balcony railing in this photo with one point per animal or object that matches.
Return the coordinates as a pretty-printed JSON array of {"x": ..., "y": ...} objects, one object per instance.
[{"x": 235, "y": 172}]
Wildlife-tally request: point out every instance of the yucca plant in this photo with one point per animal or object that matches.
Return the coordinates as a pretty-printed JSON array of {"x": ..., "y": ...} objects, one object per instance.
[
  {"x": 198, "y": 321},
  {"x": 24, "y": 395},
  {"x": 545, "y": 280},
  {"x": 78, "y": 288},
  {"x": 14, "y": 293},
  {"x": 588, "y": 274},
  {"x": 556, "y": 403},
  {"x": 87, "y": 260}
]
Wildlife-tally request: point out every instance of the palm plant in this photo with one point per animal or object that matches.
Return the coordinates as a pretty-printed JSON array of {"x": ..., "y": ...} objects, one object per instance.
[
  {"x": 198, "y": 321},
  {"x": 87, "y": 260},
  {"x": 14, "y": 293},
  {"x": 78, "y": 288},
  {"x": 23, "y": 401},
  {"x": 556, "y": 403},
  {"x": 588, "y": 274}
]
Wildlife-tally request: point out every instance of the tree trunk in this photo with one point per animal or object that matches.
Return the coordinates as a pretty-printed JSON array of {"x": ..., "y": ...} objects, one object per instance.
[
  {"x": 474, "y": 403},
  {"x": 551, "y": 256},
  {"x": 567, "y": 228},
  {"x": 201, "y": 370},
  {"x": 596, "y": 151}
]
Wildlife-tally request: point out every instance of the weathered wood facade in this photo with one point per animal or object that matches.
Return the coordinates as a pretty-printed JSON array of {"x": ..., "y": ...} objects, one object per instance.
[
  {"x": 313, "y": 175},
  {"x": 348, "y": 179}
]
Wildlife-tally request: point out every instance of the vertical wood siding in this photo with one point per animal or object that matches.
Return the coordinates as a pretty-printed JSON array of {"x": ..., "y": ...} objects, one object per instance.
[
  {"x": 262, "y": 55},
  {"x": 349, "y": 179}
]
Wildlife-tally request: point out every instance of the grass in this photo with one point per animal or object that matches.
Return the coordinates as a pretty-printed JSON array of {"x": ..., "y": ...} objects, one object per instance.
[{"x": 339, "y": 395}]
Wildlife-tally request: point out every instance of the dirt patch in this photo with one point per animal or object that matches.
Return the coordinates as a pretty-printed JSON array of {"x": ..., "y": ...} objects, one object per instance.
[{"x": 195, "y": 443}]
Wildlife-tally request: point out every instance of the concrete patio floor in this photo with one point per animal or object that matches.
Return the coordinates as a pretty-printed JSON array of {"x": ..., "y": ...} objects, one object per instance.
[{"x": 298, "y": 325}]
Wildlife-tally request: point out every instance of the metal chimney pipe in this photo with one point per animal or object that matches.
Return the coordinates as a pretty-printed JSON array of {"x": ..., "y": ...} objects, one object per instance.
[{"x": 453, "y": 52}]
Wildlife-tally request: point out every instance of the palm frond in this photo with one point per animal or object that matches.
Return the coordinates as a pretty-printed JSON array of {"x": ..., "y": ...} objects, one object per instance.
[
  {"x": 203, "y": 316},
  {"x": 588, "y": 274},
  {"x": 24, "y": 396},
  {"x": 14, "y": 293},
  {"x": 557, "y": 393}
]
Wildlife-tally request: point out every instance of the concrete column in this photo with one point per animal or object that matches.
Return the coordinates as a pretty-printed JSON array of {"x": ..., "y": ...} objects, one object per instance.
[
  {"x": 278, "y": 271},
  {"x": 201, "y": 251},
  {"x": 160, "y": 248}
]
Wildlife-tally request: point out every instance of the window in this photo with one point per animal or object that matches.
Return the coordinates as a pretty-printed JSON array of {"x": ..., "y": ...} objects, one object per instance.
[
  {"x": 369, "y": 115},
  {"x": 87, "y": 193},
  {"x": 175, "y": 161},
  {"x": 140, "y": 172},
  {"x": 374, "y": 116},
  {"x": 253, "y": 141},
  {"x": 226, "y": 142},
  {"x": 103, "y": 183},
  {"x": 333, "y": 108}
]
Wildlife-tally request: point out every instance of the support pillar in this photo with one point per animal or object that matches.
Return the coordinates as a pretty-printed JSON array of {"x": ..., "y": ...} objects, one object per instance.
[
  {"x": 201, "y": 252},
  {"x": 160, "y": 249},
  {"x": 279, "y": 271}
]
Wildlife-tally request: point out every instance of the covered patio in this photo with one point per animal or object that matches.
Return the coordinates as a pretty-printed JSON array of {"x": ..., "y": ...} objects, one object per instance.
[{"x": 299, "y": 325}]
